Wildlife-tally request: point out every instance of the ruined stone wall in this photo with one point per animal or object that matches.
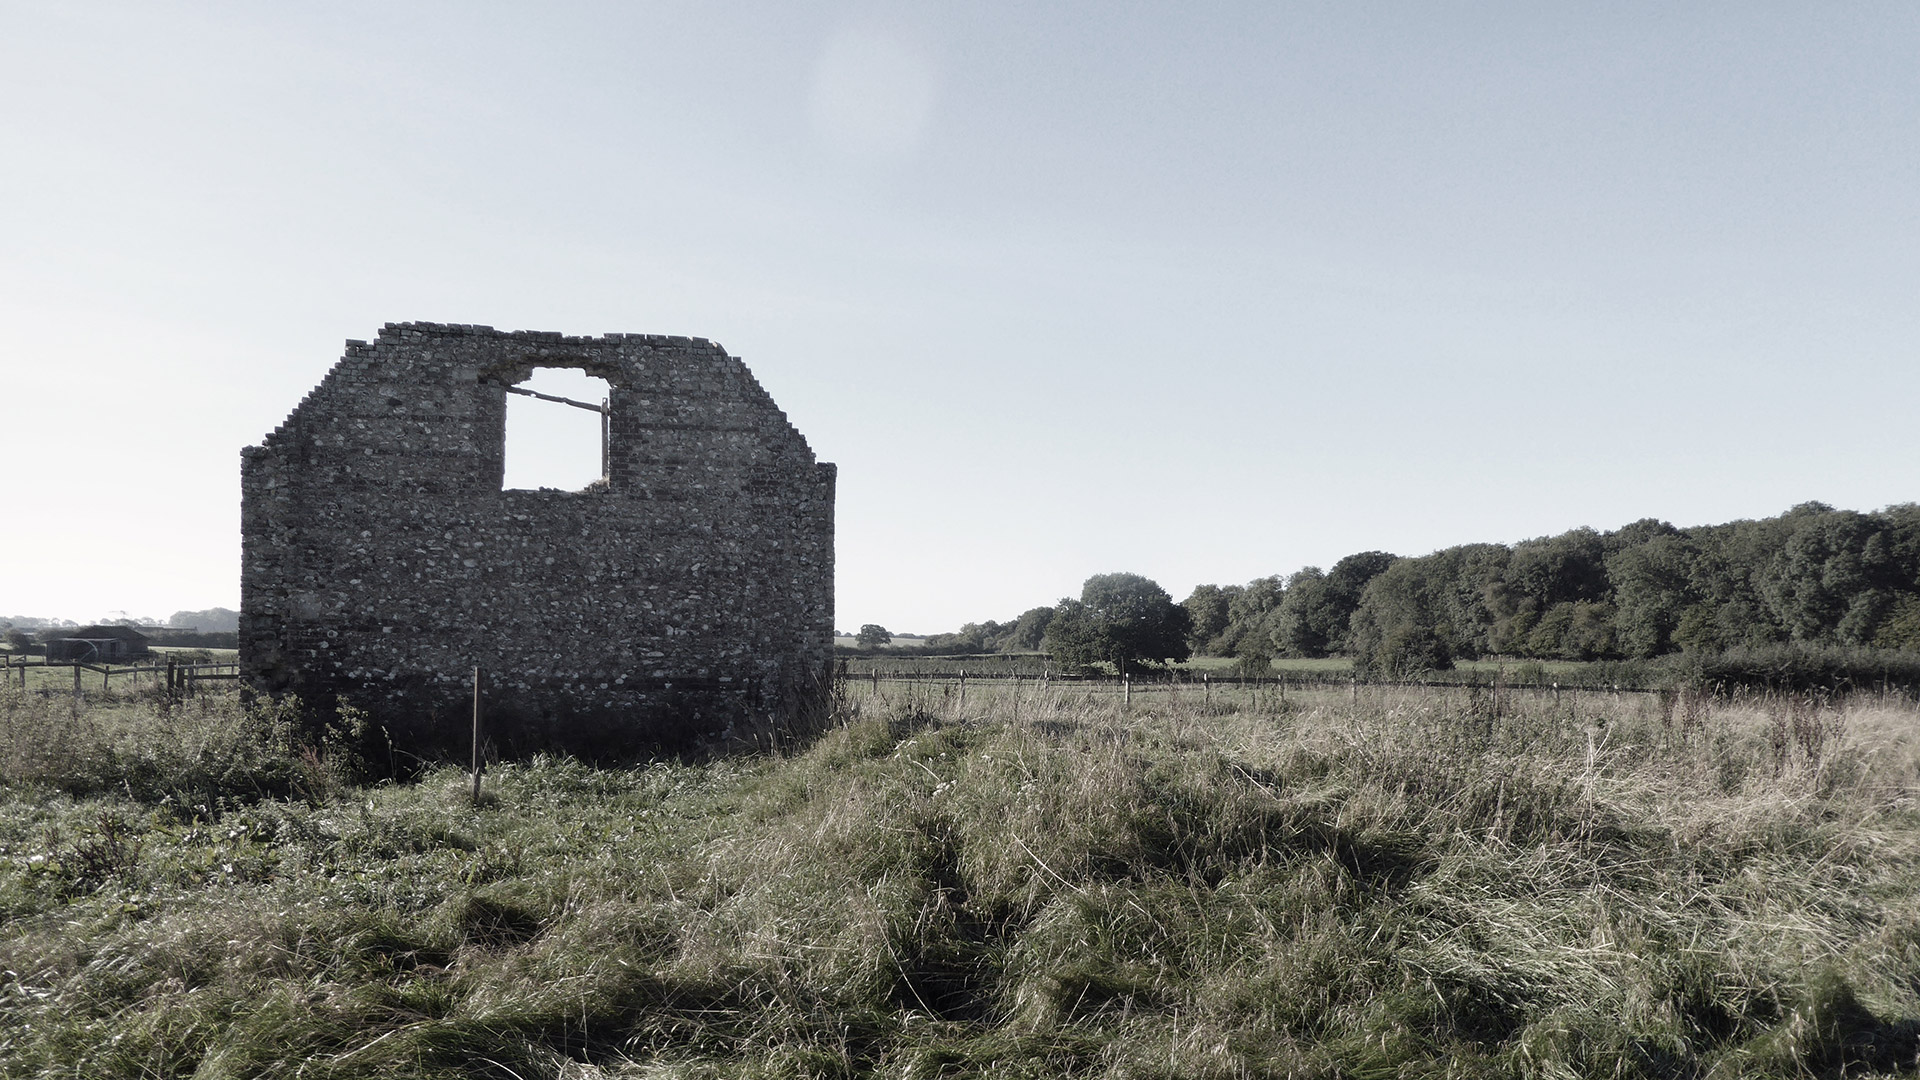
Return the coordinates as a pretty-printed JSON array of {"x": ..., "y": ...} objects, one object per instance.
[{"x": 690, "y": 594}]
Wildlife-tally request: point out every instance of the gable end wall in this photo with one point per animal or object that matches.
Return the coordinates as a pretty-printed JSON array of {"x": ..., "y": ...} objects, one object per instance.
[{"x": 688, "y": 596}]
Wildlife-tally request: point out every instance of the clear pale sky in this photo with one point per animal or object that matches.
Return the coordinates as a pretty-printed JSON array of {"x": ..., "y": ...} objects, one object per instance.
[{"x": 1203, "y": 292}]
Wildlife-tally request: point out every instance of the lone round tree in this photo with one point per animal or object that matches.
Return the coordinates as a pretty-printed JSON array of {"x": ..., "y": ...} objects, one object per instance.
[{"x": 1121, "y": 619}]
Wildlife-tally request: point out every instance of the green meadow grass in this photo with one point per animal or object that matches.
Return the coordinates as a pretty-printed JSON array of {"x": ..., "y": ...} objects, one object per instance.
[
  {"x": 1278, "y": 667},
  {"x": 1038, "y": 883},
  {"x": 1331, "y": 668}
]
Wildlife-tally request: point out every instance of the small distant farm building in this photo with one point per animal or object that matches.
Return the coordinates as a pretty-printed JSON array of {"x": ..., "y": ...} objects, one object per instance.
[{"x": 97, "y": 644}]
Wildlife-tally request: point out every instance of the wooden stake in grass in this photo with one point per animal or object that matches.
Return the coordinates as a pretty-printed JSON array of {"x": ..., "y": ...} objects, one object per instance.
[{"x": 476, "y": 734}]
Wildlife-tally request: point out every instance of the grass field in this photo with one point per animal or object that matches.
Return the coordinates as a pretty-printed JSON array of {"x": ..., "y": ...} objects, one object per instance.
[
  {"x": 1332, "y": 665},
  {"x": 1329, "y": 668},
  {"x": 1341, "y": 883}
]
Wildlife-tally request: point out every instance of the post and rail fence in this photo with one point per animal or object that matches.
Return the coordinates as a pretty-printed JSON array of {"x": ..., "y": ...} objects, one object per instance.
[{"x": 176, "y": 677}]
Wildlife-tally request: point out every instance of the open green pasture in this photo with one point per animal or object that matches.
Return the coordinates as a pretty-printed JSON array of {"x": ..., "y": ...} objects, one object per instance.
[
  {"x": 1038, "y": 664},
  {"x": 1328, "y": 668},
  {"x": 209, "y": 656},
  {"x": 1279, "y": 667},
  {"x": 1030, "y": 882}
]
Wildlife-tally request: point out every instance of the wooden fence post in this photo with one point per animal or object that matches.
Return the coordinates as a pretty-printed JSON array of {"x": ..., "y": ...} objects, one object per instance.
[
  {"x": 476, "y": 735},
  {"x": 76, "y": 687}
]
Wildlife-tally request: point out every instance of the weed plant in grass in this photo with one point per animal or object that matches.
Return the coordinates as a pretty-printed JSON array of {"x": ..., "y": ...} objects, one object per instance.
[
  {"x": 1344, "y": 884},
  {"x": 199, "y": 751}
]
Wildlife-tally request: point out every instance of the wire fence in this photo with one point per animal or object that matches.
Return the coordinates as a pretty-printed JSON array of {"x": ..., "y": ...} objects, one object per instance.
[
  {"x": 1186, "y": 678},
  {"x": 1227, "y": 691},
  {"x": 177, "y": 679}
]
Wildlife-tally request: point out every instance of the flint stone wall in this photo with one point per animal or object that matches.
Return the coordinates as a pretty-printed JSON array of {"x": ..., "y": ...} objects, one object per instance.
[{"x": 687, "y": 597}]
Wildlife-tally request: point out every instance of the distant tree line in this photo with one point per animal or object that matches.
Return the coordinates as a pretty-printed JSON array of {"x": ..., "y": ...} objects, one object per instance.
[
  {"x": 1813, "y": 576},
  {"x": 1027, "y": 633},
  {"x": 1119, "y": 620}
]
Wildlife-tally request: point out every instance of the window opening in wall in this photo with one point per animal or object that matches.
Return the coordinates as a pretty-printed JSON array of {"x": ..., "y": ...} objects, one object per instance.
[{"x": 556, "y": 431}]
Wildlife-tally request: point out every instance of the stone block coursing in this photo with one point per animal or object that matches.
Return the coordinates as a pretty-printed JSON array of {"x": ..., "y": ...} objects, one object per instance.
[{"x": 688, "y": 596}]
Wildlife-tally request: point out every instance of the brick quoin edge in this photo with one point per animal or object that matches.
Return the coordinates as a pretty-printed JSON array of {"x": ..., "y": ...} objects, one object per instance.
[{"x": 688, "y": 598}]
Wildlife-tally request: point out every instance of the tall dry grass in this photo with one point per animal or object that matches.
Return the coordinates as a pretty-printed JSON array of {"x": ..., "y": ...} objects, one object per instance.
[{"x": 1369, "y": 882}]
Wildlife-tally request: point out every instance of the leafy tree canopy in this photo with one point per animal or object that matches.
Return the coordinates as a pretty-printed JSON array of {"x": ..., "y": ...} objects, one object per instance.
[
  {"x": 1030, "y": 630},
  {"x": 1813, "y": 576},
  {"x": 1207, "y": 608},
  {"x": 1399, "y": 628},
  {"x": 1315, "y": 614},
  {"x": 1120, "y": 618}
]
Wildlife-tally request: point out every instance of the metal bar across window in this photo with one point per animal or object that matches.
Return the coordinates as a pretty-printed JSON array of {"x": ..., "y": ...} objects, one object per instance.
[{"x": 600, "y": 408}]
